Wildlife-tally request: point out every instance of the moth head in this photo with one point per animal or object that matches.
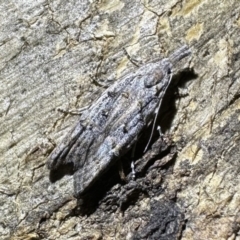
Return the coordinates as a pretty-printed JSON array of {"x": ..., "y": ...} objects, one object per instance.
[{"x": 160, "y": 72}]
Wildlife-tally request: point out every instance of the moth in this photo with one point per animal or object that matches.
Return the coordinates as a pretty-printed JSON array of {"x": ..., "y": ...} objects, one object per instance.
[{"x": 110, "y": 126}]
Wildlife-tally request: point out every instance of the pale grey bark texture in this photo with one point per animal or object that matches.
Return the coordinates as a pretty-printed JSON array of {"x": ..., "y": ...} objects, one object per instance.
[{"x": 62, "y": 54}]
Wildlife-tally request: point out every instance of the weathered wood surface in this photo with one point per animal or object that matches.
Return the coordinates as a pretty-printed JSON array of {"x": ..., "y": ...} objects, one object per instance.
[{"x": 58, "y": 54}]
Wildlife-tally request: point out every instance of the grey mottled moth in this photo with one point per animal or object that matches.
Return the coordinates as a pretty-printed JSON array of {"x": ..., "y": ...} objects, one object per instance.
[{"x": 110, "y": 127}]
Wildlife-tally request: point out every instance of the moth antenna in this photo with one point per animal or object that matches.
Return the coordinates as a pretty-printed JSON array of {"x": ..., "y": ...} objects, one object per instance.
[
  {"x": 155, "y": 119},
  {"x": 179, "y": 54},
  {"x": 174, "y": 58}
]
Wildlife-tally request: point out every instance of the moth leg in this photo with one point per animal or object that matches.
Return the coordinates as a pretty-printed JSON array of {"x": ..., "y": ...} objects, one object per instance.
[
  {"x": 120, "y": 167},
  {"x": 133, "y": 170},
  {"x": 160, "y": 131},
  {"x": 135, "y": 62},
  {"x": 74, "y": 112},
  {"x": 132, "y": 162}
]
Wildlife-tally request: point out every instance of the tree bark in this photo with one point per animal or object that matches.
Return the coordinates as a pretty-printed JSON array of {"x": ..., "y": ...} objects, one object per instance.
[{"x": 63, "y": 54}]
